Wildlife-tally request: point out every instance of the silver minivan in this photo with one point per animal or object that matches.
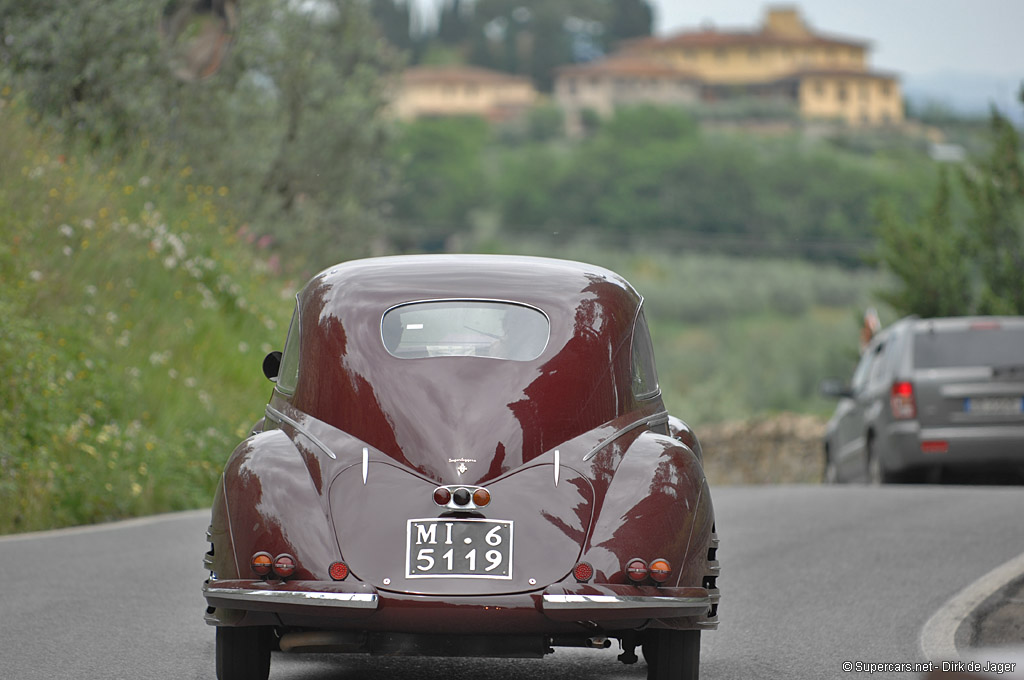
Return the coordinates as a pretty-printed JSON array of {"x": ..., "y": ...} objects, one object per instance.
[{"x": 930, "y": 395}]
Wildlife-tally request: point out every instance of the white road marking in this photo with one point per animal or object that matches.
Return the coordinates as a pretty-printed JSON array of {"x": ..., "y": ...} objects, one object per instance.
[{"x": 938, "y": 637}]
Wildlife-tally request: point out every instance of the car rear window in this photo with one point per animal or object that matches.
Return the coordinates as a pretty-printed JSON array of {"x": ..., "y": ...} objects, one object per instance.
[
  {"x": 981, "y": 346},
  {"x": 478, "y": 328}
]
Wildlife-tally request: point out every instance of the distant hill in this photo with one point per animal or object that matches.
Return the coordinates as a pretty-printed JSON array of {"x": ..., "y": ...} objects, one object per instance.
[{"x": 968, "y": 94}]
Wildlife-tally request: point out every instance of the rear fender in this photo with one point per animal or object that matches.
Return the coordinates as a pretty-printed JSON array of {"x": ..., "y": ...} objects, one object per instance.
[
  {"x": 271, "y": 503},
  {"x": 657, "y": 505}
]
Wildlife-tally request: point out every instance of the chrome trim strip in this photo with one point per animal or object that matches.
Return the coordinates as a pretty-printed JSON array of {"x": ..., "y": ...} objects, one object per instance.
[
  {"x": 277, "y": 415},
  {"x": 557, "y": 465},
  {"x": 366, "y": 463},
  {"x": 295, "y": 597},
  {"x": 656, "y": 419},
  {"x": 584, "y": 602}
]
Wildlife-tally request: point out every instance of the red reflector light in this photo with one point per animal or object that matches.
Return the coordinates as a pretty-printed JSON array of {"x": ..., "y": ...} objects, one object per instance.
[
  {"x": 481, "y": 497},
  {"x": 583, "y": 572},
  {"x": 261, "y": 563},
  {"x": 636, "y": 570},
  {"x": 935, "y": 446},
  {"x": 901, "y": 400},
  {"x": 338, "y": 571},
  {"x": 442, "y": 495},
  {"x": 660, "y": 570},
  {"x": 284, "y": 565}
]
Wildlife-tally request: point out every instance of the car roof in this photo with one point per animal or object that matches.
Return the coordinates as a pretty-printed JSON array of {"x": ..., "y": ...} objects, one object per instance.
[
  {"x": 960, "y": 323},
  {"x": 396, "y": 279}
]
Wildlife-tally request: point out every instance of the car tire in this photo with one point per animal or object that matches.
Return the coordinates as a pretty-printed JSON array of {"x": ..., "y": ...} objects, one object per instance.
[
  {"x": 877, "y": 474},
  {"x": 672, "y": 654},
  {"x": 243, "y": 653}
]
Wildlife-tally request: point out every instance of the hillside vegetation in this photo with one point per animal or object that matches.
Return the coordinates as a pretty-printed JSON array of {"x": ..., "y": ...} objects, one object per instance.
[
  {"x": 137, "y": 310},
  {"x": 134, "y": 326}
]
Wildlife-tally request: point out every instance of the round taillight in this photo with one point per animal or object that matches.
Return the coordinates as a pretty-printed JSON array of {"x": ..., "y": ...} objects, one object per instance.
[
  {"x": 338, "y": 571},
  {"x": 261, "y": 563},
  {"x": 442, "y": 495},
  {"x": 481, "y": 497},
  {"x": 284, "y": 565},
  {"x": 636, "y": 570},
  {"x": 583, "y": 572},
  {"x": 462, "y": 496},
  {"x": 660, "y": 570}
]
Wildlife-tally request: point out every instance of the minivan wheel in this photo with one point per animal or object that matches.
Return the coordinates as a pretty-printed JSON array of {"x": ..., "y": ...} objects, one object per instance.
[
  {"x": 831, "y": 473},
  {"x": 876, "y": 473},
  {"x": 874, "y": 469}
]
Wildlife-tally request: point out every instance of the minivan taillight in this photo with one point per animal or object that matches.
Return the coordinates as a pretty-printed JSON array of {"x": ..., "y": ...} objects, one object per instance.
[{"x": 901, "y": 400}]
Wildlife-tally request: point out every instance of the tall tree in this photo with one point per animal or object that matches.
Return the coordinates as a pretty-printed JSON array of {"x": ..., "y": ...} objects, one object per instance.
[
  {"x": 951, "y": 266},
  {"x": 630, "y": 19},
  {"x": 291, "y": 123},
  {"x": 927, "y": 256},
  {"x": 394, "y": 19},
  {"x": 995, "y": 189}
]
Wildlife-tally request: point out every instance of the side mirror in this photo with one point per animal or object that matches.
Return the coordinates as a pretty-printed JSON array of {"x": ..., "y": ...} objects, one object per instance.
[
  {"x": 836, "y": 388},
  {"x": 272, "y": 365}
]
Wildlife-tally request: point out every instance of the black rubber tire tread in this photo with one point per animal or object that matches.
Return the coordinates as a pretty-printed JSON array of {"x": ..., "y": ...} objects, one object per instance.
[
  {"x": 243, "y": 653},
  {"x": 672, "y": 654}
]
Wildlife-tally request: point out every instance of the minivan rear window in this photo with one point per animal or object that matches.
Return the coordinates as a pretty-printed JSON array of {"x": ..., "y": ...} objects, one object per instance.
[
  {"x": 477, "y": 328},
  {"x": 985, "y": 346}
]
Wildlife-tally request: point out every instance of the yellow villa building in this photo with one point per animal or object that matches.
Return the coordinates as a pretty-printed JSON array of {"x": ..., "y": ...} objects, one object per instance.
[
  {"x": 427, "y": 91},
  {"x": 823, "y": 75}
]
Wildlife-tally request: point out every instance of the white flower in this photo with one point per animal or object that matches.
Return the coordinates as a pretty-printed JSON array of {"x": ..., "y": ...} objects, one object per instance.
[{"x": 66, "y": 230}]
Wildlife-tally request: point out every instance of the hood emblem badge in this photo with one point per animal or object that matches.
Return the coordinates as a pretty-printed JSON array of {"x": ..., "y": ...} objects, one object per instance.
[{"x": 462, "y": 469}]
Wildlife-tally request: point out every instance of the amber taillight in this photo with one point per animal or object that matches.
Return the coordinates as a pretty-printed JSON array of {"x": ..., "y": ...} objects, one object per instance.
[
  {"x": 481, "y": 497},
  {"x": 261, "y": 563},
  {"x": 901, "y": 400},
  {"x": 660, "y": 570}
]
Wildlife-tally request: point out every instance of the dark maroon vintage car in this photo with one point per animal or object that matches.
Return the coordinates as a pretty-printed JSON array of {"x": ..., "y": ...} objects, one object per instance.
[{"x": 464, "y": 456}]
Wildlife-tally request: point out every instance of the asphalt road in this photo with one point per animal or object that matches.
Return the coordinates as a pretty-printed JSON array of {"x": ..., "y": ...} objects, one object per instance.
[{"x": 811, "y": 577}]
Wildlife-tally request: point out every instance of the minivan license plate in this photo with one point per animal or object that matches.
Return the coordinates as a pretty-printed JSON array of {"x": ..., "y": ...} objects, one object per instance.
[
  {"x": 459, "y": 548},
  {"x": 994, "y": 406}
]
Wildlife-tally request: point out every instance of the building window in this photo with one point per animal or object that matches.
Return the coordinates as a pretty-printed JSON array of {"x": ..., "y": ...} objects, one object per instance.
[
  {"x": 819, "y": 88},
  {"x": 841, "y": 92},
  {"x": 721, "y": 54},
  {"x": 754, "y": 54},
  {"x": 886, "y": 90},
  {"x": 864, "y": 91}
]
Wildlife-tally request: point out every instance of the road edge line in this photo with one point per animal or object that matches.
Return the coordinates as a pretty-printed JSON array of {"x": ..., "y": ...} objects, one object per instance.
[
  {"x": 938, "y": 636},
  {"x": 104, "y": 526}
]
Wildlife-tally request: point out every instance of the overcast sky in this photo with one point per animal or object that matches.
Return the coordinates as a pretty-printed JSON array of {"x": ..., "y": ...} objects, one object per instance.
[{"x": 912, "y": 37}]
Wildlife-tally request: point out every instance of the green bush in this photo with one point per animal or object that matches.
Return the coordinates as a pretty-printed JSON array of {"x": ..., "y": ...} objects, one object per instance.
[{"x": 135, "y": 322}]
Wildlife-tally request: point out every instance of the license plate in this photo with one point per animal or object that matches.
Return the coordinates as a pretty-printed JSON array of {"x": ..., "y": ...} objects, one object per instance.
[
  {"x": 994, "y": 406},
  {"x": 459, "y": 548}
]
